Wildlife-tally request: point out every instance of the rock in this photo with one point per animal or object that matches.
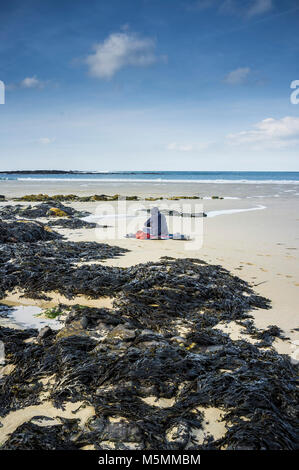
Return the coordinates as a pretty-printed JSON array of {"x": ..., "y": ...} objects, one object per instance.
[
  {"x": 73, "y": 329},
  {"x": 177, "y": 436},
  {"x": 96, "y": 424},
  {"x": 121, "y": 432},
  {"x": 149, "y": 333},
  {"x": 183, "y": 214},
  {"x": 44, "y": 333},
  {"x": 178, "y": 339},
  {"x": 70, "y": 317},
  {"x": 53, "y": 211},
  {"x": 121, "y": 333},
  {"x": 84, "y": 322},
  {"x": 2, "y": 198},
  {"x": 151, "y": 344}
]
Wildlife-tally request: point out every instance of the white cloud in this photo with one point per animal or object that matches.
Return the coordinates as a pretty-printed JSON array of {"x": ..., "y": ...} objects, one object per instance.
[
  {"x": 259, "y": 7},
  {"x": 271, "y": 133},
  {"x": 31, "y": 82},
  {"x": 234, "y": 7},
  {"x": 238, "y": 76},
  {"x": 28, "y": 83},
  {"x": 120, "y": 50}
]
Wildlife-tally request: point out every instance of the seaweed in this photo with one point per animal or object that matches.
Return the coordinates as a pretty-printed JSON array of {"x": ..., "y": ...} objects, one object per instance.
[
  {"x": 95, "y": 197},
  {"x": 256, "y": 389},
  {"x": 25, "y": 231},
  {"x": 46, "y": 209},
  {"x": 152, "y": 363},
  {"x": 71, "y": 223},
  {"x": 40, "y": 267},
  {"x": 30, "y": 436}
]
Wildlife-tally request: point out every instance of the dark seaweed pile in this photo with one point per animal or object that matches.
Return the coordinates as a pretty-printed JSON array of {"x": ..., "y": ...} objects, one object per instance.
[
  {"x": 31, "y": 436},
  {"x": 176, "y": 286},
  {"x": 173, "y": 212},
  {"x": 42, "y": 267},
  {"x": 40, "y": 210},
  {"x": 255, "y": 388},
  {"x": 96, "y": 197},
  {"x": 159, "y": 340},
  {"x": 71, "y": 223},
  {"x": 25, "y": 231}
]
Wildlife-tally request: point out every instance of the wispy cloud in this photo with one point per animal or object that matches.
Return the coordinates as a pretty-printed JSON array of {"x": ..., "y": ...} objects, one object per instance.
[
  {"x": 237, "y": 76},
  {"x": 270, "y": 133},
  {"x": 259, "y": 7},
  {"x": 120, "y": 50},
  {"x": 234, "y": 7},
  {"x": 28, "y": 83},
  {"x": 31, "y": 82}
]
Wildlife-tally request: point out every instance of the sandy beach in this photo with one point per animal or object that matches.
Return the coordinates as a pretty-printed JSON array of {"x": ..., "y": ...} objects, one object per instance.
[{"x": 250, "y": 230}]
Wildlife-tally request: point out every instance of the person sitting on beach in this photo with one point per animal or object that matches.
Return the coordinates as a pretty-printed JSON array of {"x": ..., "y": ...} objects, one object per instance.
[{"x": 155, "y": 226}]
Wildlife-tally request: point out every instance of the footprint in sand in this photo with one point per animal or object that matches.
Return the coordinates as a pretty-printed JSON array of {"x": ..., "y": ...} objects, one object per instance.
[{"x": 264, "y": 270}]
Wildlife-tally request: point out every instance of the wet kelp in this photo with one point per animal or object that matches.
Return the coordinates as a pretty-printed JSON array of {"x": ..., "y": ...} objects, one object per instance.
[
  {"x": 31, "y": 436},
  {"x": 47, "y": 209},
  {"x": 114, "y": 366},
  {"x": 96, "y": 197},
  {"x": 173, "y": 286},
  {"x": 42, "y": 267},
  {"x": 153, "y": 363},
  {"x": 25, "y": 231},
  {"x": 57, "y": 215},
  {"x": 71, "y": 223}
]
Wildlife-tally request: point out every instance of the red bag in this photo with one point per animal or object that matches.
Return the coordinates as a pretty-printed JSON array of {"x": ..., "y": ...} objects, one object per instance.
[{"x": 142, "y": 235}]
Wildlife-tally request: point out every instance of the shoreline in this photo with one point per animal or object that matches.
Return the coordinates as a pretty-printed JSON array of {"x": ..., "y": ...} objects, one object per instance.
[{"x": 13, "y": 188}]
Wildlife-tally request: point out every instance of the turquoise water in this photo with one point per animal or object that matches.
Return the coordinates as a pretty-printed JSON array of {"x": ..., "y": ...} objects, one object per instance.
[{"x": 166, "y": 176}]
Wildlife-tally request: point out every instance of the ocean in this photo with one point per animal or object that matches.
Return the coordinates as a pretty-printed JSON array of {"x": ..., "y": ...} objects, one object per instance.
[{"x": 253, "y": 177}]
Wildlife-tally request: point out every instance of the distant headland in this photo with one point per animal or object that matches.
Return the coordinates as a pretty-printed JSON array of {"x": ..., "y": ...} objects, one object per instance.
[{"x": 75, "y": 172}]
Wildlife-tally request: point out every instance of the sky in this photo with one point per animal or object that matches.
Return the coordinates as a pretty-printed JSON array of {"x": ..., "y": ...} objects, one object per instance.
[{"x": 150, "y": 85}]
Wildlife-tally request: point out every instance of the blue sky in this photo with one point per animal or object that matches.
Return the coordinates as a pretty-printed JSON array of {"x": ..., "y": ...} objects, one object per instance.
[{"x": 149, "y": 85}]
